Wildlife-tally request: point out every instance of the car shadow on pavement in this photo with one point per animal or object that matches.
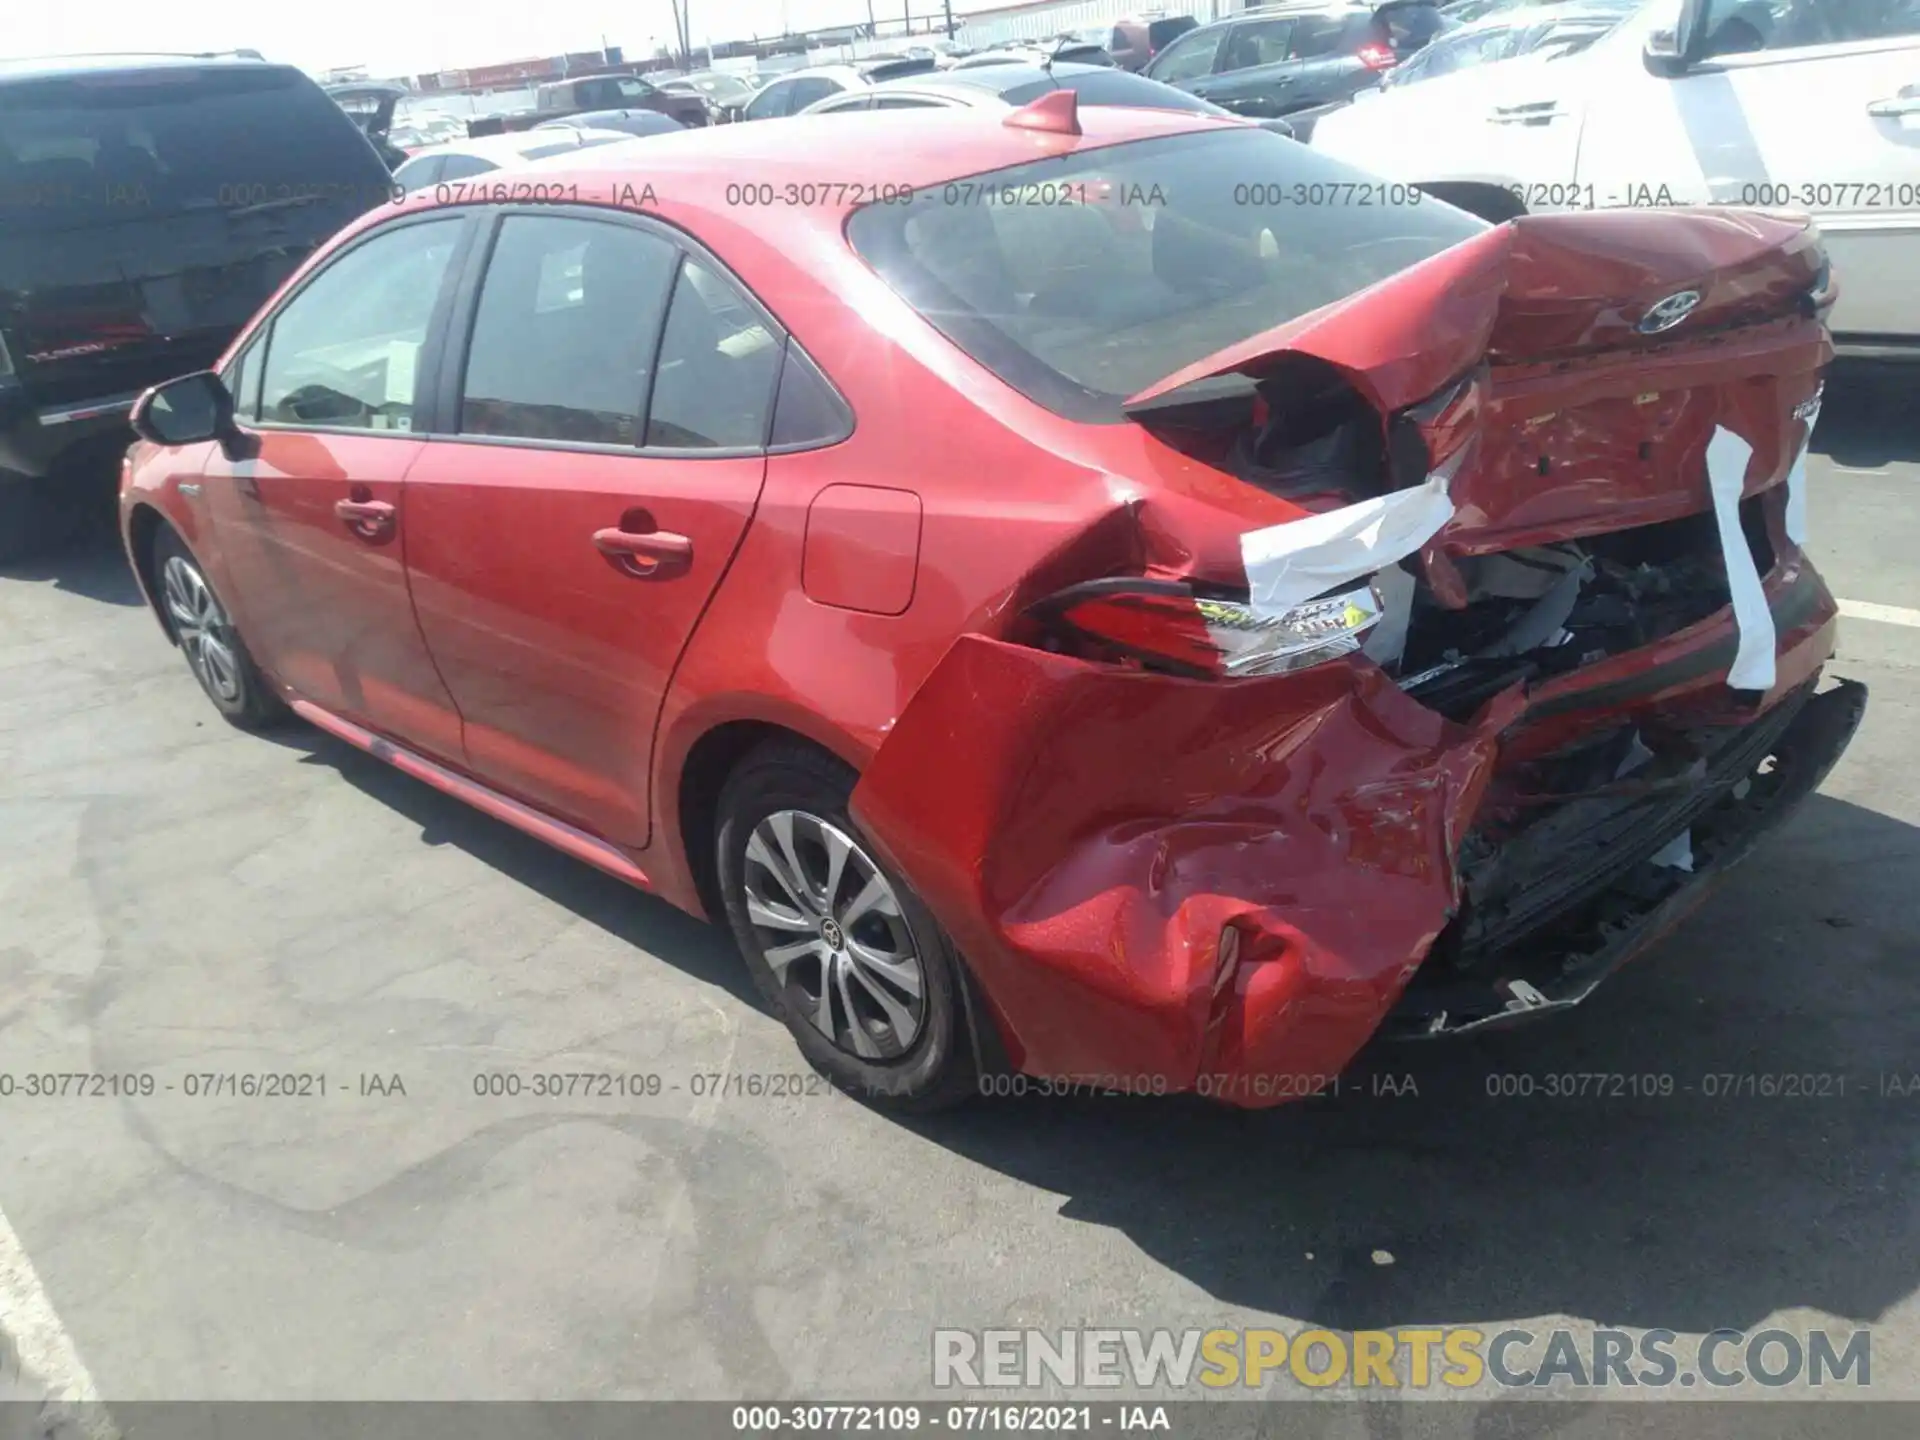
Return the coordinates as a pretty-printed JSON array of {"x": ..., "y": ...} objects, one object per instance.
[
  {"x": 91, "y": 565},
  {"x": 704, "y": 952},
  {"x": 1447, "y": 1183},
  {"x": 1868, "y": 418}
]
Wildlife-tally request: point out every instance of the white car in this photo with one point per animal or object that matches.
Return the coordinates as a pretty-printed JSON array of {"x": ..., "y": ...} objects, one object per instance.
[
  {"x": 1807, "y": 105},
  {"x": 463, "y": 159},
  {"x": 794, "y": 92}
]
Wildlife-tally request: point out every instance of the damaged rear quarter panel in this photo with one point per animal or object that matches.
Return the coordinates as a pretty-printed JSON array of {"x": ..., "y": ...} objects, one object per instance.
[{"x": 1086, "y": 876}]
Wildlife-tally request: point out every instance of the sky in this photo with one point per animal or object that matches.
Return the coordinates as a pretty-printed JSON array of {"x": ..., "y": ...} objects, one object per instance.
[{"x": 403, "y": 39}]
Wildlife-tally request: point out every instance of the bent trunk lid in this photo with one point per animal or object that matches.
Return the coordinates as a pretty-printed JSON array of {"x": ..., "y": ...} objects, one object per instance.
[{"x": 1608, "y": 347}]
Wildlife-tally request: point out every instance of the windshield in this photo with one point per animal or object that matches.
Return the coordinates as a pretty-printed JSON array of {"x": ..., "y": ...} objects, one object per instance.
[
  {"x": 1082, "y": 279},
  {"x": 729, "y": 86},
  {"x": 102, "y": 149}
]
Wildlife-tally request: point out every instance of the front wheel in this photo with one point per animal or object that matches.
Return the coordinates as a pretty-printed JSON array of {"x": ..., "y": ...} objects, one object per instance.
[
  {"x": 843, "y": 950},
  {"x": 208, "y": 638}
]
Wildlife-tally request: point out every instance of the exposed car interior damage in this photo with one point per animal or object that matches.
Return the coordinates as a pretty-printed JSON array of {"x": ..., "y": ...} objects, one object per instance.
[
  {"x": 1559, "y": 887},
  {"x": 1547, "y": 610},
  {"x": 1578, "y": 854}
]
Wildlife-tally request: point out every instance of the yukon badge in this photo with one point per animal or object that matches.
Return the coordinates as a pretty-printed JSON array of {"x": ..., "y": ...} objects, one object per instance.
[{"x": 1667, "y": 313}]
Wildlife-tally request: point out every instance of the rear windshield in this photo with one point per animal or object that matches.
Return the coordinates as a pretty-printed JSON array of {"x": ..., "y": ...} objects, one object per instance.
[
  {"x": 1113, "y": 87},
  {"x": 1082, "y": 279},
  {"x": 110, "y": 147}
]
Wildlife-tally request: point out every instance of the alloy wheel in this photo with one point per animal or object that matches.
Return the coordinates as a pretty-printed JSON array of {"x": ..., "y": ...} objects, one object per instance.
[
  {"x": 202, "y": 628},
  {"x": 830, "y": 928}
]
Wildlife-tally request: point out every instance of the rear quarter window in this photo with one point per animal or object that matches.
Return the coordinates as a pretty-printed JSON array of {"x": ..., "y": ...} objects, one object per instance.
[{"x": 1317, "y": 36}]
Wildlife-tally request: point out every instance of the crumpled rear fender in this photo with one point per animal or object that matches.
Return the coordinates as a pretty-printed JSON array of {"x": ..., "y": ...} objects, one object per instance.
[{"x": 1087, "y": 833}]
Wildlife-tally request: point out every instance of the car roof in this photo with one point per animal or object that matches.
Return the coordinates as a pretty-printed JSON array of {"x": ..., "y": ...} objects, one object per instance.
[
  {"x": 992, "y": 78},
  {"x": 56, "y": 67},
  {"x": 692, "y": 170},
  {"x": 1287, "y": 9},
  {"x": 1522, "y": 17},
  {"x": 830, "y": 72},
  {"x": 503, "y": 149}
]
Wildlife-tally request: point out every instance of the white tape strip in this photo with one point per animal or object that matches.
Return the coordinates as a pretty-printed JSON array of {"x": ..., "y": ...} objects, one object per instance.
[
  {"x": 1290, "y": 563},
  {"x": 1727, "y": 456},
  {"x": 1796, "y": 516}
]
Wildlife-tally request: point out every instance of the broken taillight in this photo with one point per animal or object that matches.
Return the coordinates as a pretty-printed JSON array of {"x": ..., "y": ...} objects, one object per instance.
[
  {"x": 1377, "y": 57},
  {"x": 1163, "y": 625}
]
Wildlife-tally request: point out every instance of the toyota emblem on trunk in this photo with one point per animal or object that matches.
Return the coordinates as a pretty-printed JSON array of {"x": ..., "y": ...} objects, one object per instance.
[{"x": 1667, "y": 313}]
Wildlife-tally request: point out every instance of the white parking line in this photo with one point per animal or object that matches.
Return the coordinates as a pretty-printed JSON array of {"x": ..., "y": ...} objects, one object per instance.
[
  {"x": 1885, "y": 614},
  {"x": 45, "y": 1349}
]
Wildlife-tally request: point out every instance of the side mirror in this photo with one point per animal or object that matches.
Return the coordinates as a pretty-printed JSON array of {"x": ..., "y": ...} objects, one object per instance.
[
  {"x": 186, "y": 411},
  {"x": 1279, "y": 127},
  {"x": 1670, "y": 53}
]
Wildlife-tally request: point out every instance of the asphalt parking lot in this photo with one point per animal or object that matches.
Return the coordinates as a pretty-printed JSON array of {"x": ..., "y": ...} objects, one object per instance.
[{"x": 177, "y": 898}]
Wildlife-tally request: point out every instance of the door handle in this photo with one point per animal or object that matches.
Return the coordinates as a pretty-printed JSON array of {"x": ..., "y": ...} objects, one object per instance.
[
  {"x": 644, "y": 554},
  {"x": 1894, "y": 107},
  {"x": 366, "y": 516}
]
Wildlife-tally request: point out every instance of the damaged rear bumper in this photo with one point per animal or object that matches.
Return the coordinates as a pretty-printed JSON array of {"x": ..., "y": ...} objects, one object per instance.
[
  {"x": 1750, "y": 788},
  {"x": 1227, "y": 887}
]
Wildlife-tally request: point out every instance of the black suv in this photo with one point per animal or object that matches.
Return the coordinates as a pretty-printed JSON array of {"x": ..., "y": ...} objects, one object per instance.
[
  {"x": 148, "y": 206},
  {"x": 1279, "y": 59}
]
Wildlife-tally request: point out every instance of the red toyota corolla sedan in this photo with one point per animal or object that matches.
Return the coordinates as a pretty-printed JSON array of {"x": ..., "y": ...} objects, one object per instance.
[{"x": 1110, "y": 596}]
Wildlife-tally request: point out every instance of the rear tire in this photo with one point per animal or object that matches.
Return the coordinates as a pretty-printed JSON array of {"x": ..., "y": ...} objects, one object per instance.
[
  {"x": 845, "y": 953},
  {"x": 208, "y": 638}
]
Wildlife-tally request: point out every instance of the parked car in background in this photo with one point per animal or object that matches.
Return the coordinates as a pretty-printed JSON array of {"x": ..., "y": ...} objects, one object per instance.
[
  {"x": 371, "y": 104},
  {"x": 1071, "y": 48},
  {"x": 1065, "y": 49},
  {"x": 1465, "y": 12},
  {"x": 627, "y": 122},
  {"x": 847, "y": 619},
  {"x": 1533, "y": 29},
  {"x": 464, "y": 159},
  {"x": 1283, "y": 58},
  {"x": 576, "y": 96},
  {"x": 1138, "y": 38},
  {"x": 792, "y": 93},
  {"x": 724, "y": 93},
  {"x": 148, "y": 206},
  {"x": 1007, "y": 87},
  {"x": 1802, "y": 105}
]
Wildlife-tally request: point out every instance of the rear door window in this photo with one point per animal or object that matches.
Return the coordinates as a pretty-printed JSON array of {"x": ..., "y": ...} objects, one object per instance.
[
  {"x": 564, "y": 335},
  {"x": 1315, "y": 37},
  {"x": 116, "y": 146},
  {"x": 419, "y": 173},
  {"x": 1257, "y": 42},
  {"x": 773, "y": 102},
  {"x": 1188, "y": 58},
  {"x": 814, "y": 87},
  {"x": 464, "y": 167}
]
